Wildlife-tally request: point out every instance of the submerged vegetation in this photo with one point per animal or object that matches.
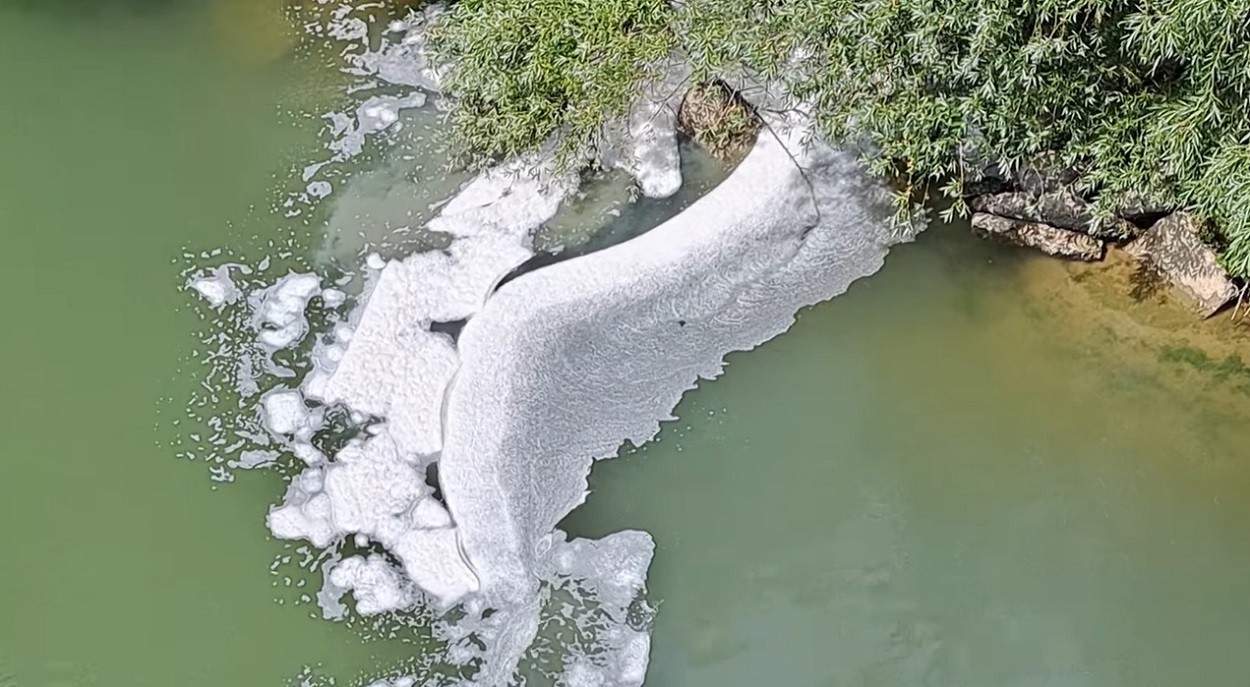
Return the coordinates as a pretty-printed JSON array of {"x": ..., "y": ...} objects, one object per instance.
[
  {"x": 1146, "y": 101},
  {"x": 1229, "y": 369}
]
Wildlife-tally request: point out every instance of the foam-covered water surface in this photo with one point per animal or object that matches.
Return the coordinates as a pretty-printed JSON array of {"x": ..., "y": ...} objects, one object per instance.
[{"x": 727, "y": 272}]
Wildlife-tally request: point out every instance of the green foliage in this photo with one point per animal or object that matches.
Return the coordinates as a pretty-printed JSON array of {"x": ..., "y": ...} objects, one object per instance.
[
  {"x": 523, "y": 70},
  {"x": 1145, "y": 98}
]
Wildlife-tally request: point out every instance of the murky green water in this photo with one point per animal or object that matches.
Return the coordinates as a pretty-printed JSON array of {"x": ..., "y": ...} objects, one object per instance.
[
  {"x": 129, "y": 131},
  {"x": 973, "y": 469},
  {"x": 950, "y": 476}
]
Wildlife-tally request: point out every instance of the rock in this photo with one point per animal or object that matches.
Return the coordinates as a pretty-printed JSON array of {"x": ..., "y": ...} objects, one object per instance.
[
  {"x": 1063, "y": 209},
  {"x": 989, "y": 182},
  {"x": 1050, "y": 240},
  {"x": 1137, "y": 208},
  {"x": 1045, "y": 174},
  {"x": 1173, "y": 246},
  {"x": 715, "y": 116}
]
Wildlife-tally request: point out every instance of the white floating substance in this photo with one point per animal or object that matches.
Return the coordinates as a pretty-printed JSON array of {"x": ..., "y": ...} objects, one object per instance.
[
  {"x": 567, "y": 362},
  {"x": 555, "y": 369},
  {"x": 377, "y": 586},
  {"x": 394, "y": 367},
  {"x": 216, "y": 287},
  {"x": 378, "y": 113},
  {"x": 280, "y": 313},
  {"x": 370, "y": 490},
  {"x": 283, "y": 411},
  {"x": 645, "y": 144}
]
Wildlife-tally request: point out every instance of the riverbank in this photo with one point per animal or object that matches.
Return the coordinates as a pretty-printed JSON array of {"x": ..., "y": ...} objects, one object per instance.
[{"x": 1138, "y": 100}]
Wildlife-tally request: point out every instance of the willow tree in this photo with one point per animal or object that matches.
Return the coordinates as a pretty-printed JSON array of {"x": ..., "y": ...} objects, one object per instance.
[{"x": 1144, "y": 99}]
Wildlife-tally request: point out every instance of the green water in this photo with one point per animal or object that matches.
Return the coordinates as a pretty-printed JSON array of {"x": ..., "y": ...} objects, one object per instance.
[
  {"x": 973, "y": 469},
  {"x": 946, "y": 478},
  {"x": 129, "y": 131}
]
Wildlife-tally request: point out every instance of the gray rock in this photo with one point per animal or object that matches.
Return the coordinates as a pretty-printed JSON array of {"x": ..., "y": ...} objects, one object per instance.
[
  {"x": 1063, "y": 209},
  {"x": 1044, "y": 237},
  {"x": 1136, "y": 207},
  {"x": 1174, "y": 247},
  {"x": 986, "y": 184},
  {"x": 1045, "y": 174}
]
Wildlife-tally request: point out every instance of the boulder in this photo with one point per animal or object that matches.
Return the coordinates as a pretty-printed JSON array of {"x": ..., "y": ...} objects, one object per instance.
[
  {"x": 1044, "y": 237},
  {"x": 1174, "y": 247},
  {"x": 1063, "y": 209}
]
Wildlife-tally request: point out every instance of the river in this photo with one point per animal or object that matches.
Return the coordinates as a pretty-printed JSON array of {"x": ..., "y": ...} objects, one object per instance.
[{"x": 977, "y": 467}]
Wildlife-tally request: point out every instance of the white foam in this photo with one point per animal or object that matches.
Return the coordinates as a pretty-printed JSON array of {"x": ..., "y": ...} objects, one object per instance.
[
  {"x": 333, "y": 298},
  {"x": 553, "y": 370},
  {"x": 394, "y": 367},
  {"x": 376, "y": 585},
  {"x": 216, "y": 286},
  {"x": 645, "y": 144},
  {"x": 289, "y": 420},
  {"x": 512, "y": 199},
  {"x": 284, "y": 412},
  {"x": 254, "y": 458},
  {"x": 330, "y": 596},
  {"x": 319, "y": 189},
  {"x": 430, "y": 514},
  {"x": 432, "y": 560},
  {"x": 567, "y": 362},
  {"x": 305, "y": 512},
  {"x": 374, "y": 115},
  {"x": 407, "y": 62},
  {"x": 371, "y": 490},
  {"x": 280, "y": 310}
]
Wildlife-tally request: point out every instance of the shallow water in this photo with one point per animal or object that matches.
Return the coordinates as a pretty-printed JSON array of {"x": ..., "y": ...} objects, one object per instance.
[{"x": 975, "y": 468}]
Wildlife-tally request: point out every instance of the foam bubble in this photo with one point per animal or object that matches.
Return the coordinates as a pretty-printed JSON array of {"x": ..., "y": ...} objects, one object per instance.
[
  {"x": 406, "y": 62},
  {"x": 371, "y": 490},
  {"x": 374, "y": 115},
  {"x": 551, "y": 371}
]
